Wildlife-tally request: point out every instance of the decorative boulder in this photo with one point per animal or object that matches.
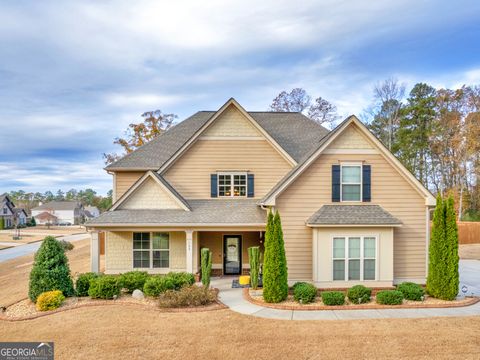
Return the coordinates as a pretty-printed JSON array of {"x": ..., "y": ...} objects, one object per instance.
[{"x": 138, "y": 294}]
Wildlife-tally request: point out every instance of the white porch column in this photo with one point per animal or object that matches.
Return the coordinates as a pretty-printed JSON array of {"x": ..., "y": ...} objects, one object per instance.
[
  {"x": 94, "y": 252},
  {"x": 189, "y": 252}
]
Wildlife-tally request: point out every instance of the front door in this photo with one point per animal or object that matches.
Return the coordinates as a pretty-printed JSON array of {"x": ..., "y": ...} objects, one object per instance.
[{"x": 232, "y": 254}]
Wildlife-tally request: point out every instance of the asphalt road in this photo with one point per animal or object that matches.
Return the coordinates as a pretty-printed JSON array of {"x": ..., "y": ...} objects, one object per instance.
[{"x": 27, "y": 249}]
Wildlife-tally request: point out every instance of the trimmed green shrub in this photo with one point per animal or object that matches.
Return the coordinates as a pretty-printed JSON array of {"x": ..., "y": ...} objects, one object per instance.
[
  {"x": 304, "y": 293},
  {"x": 181, "y": 279},
  {"x": 389, "y": 297},
  {"x": 206, "y": 265},
  {"x": 2, "y": 223},
  {"x": 133, "y": 280},
  {"x": 83, "y": 283},
  {"x": 275, "y": 283},
  {"x": 50, "y": 300},
  {"x": 187, "y": 296},
  {"x": 50, "y": 270},
  {"x": 254, "y": 260},
  {"x": 104, "y": 287},
  {"x": 331, "y": 298},
  {"x": 32, "y": 222},
  {"x": 443, "y": 277},
  {"x": 359, "y": 294},
  {"x": 66, "y": 245},
  {"x": 411, "y": 291},
  {"x": 155, "y": 285}
]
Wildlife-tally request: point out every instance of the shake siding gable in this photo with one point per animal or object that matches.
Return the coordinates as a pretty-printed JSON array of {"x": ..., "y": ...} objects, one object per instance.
[{"x": 232, "y": 123}]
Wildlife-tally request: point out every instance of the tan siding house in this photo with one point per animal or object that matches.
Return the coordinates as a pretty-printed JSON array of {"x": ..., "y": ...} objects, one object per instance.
[{"x": 351, "y": 212}]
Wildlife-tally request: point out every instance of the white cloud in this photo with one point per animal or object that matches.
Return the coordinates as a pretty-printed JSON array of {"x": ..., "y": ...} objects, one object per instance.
[{"x": 141, "y": 100}]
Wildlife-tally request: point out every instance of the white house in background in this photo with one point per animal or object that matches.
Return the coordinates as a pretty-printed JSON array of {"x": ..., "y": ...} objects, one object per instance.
[
  {"x": 10, "y": 213},
  {"x": 91, "y": 212},
  {"x": 65, "y": 211}
]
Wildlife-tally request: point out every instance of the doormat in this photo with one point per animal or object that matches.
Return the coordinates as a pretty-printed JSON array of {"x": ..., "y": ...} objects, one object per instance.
[{"x": 236, "y": 285}]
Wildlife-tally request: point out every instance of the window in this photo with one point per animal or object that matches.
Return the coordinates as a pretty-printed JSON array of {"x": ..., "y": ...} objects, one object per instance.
[
  {"x": 351, "y": 182},
  {"x": 354, "y": 258},
  {"x": 230, "y": 185},
  {"x": 151, "y": 254},
  {"x": 4, "y": 210}
]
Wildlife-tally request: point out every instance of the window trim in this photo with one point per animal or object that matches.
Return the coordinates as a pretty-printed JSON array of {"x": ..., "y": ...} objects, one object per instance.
[
  {"x": 358, "y": 164},
  {"x": 232, "y": 185},
  {"x": 151, "y": 250},
  {"x": 362, "y": 257}
]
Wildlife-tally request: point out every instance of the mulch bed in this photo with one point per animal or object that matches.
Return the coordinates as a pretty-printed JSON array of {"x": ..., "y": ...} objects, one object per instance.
[
  {"x": 25, "y": 309},
  {"x": 291, "y": 304}
]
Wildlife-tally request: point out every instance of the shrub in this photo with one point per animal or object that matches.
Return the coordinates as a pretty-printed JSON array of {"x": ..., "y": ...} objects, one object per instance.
[
  {"x": 411, "y": 291},
  {"x": 50, "y": 300},
  {"x": 359, "y": 294},
  {"x": 206, "y": 264},
  {"x": 443, "y": 278},
  {"x": 254, "y": 260},
  {"x": 104, "y": 287},
  {"x": 133, "y": 280},
  {"x": 66, "y": 245},
  {"x": 83, "y": 283},
  {"x": 390, "y": 297},
  {"x": 32, "y": 222},
  {"x": 50, "y": 270},
  {"x": 304, "y": 293},
  {"x": 181, "y": 279},
  {"x": 333, "y": 298},
  {"x": 187, "y": 296},
  {"x": 155, "y": 285},
  {"x": 275, "y": 284}
]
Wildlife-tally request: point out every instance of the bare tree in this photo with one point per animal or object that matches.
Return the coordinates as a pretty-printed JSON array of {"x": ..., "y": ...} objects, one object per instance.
[{"x": 323, "y": 112}]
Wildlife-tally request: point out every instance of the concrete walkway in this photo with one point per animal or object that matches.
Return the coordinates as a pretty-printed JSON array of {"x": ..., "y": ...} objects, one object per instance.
[{"x": 233, "y": 298}]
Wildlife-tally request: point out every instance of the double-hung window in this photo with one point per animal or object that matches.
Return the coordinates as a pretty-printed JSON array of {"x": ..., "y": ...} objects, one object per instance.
[
  {"x": 232, "y": 184},
  {"x": 151, "y": 250},
  {"x": 351, "y": 182},
  {"x": 354, "y": 258}
]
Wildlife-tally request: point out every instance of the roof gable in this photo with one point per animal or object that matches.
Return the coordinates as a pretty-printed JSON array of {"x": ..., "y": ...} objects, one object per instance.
[
  {"x": 231, "y": 124},
  {"x": 151, "y": 191},
  {"x": 327, "y": 141}
]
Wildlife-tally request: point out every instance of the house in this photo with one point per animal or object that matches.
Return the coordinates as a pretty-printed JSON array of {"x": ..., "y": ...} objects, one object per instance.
[
  {"x": 62, "y": 212},
  {"x": 91, "y": 212},
  {"x": 11, "y": 215},
  {"x": 351, "y": 212}
]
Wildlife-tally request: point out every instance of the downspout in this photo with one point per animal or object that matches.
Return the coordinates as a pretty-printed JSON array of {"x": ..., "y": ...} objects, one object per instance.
[{"x": 428, "y": 211}]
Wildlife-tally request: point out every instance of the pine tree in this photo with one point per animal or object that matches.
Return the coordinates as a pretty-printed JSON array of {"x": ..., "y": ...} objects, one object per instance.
[
  {"x": 275, "y": 284},
  {"x": 50, "y": 270}
]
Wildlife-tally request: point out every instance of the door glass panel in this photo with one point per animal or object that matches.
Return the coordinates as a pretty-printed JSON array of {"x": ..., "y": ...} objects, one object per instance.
[{"x": 232, "y": 255}]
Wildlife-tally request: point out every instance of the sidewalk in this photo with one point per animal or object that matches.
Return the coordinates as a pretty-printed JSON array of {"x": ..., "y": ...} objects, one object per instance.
[{"x": 233, "y": 298}]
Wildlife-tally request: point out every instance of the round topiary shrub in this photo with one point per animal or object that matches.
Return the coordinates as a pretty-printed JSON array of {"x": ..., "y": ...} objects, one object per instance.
[
  {"x": 83, "y": 283},
  {"x": 50, "y": 270},
  {"x": 333, "y": 298},
  {"x": 133, "y": 280},
  {"x": 411, "y": 291},
  {"x": 304, "y": 293},
  {"x": 181, "y": 279},
  {"x": 389, "y": 297},
  {"x": 157, "y": 285},
  {"x": 50, "y": 300},
  {"x": 359, "y": 294},
  {"x": 104, "y": 287}
]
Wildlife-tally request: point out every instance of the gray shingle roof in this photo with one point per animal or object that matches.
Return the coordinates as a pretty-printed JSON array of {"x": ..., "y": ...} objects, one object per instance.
[
  {"x": 58, "y": 205},
  {"x": 352, "y": 215},
  {"x": 294, "y": 132},
  {"x": 204, "y": 212}
]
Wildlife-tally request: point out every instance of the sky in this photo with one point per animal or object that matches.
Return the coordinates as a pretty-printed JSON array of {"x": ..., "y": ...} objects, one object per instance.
[{"x": 74, "y": 74}]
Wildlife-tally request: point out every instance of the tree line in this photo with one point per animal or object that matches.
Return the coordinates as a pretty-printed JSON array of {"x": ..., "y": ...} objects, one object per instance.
[{"x": 88, "y": 197}]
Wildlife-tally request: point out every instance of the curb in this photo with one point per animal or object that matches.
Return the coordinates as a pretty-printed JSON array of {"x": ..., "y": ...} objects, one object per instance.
[
  {"x": 246, "y": 296},
  {"x": 35, "y": 241}
]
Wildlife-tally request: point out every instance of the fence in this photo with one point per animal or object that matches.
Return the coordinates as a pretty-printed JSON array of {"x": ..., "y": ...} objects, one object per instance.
[{"x": 468, "y": 232}]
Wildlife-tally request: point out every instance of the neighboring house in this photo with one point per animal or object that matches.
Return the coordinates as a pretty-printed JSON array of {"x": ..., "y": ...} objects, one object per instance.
[
  {"x": 351, "y": 212},
  {"x": 63, "y": 211},
  {"x": 91, "y": 212},
  {"x": 11, "y": 215}
]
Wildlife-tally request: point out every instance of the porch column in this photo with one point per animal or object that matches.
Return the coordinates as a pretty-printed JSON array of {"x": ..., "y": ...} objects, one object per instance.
[
  {"x": 189, "y": 252},
  {"x": 94, "y": 252}
]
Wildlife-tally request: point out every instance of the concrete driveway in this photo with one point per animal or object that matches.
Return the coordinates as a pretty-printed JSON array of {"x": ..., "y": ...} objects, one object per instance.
[{"x": 469, "y": 277}]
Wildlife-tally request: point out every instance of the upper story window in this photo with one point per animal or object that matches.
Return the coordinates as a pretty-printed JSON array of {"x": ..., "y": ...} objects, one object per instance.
[
  {"x": 4, "y": 210},
  {"x": 351, "y": 182},
  {"x": 232, "y": 184}
]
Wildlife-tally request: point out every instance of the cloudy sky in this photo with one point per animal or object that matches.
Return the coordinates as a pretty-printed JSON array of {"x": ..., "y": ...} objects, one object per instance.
[{"x": 74, "y": 74}]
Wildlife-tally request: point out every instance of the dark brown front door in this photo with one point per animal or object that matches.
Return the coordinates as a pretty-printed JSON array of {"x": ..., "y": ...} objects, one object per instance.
[{"x": 232, "y": 254}]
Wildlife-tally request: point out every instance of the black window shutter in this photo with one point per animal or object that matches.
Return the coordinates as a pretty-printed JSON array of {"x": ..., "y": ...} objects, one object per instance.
[
  {"x": 250, "y": 185},
  {"x": 335, "y": 183},
  {"x": 213, "y": 185},
  {"x": 366, "y": 181}
]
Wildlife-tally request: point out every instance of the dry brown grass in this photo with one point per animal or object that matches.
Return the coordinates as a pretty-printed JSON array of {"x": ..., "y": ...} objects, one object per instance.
[
  {"x": 130, "y": 332},
  {"x": 469, "y": 251}
]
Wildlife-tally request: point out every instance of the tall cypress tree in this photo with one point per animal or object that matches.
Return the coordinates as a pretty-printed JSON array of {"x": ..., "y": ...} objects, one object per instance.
[
  {"x": 275, "y": 284},
  {"x": 435, "y": 268},
  {"x": 451, "y": 281}
]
